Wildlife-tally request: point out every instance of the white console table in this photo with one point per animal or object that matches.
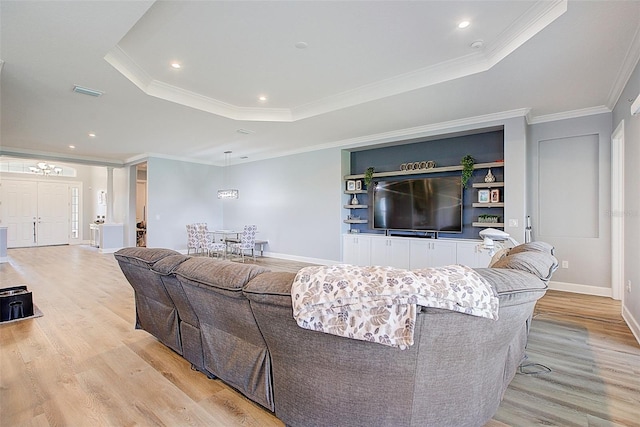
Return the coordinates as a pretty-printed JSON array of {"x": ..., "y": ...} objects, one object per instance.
[
  {"x": 110, "y": 237},
  {"x": 94, "y": 234}
]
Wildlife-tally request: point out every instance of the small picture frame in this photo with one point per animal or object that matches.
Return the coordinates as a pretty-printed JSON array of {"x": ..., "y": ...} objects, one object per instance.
[
  {"x": 495, "y": 195},
  {"x": 358, "y": 185},
  {"x": 483, "y": 196},
  {"x": 351, "y": 185}
]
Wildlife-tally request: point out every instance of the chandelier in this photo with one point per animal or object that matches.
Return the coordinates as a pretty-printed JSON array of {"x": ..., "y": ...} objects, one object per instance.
[
  {"x": 227, "y": 193},
  {"x": 45, "y": 169}
]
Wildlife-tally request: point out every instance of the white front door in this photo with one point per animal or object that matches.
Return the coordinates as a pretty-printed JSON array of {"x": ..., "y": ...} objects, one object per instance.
[
  {"x": 53, "y": 213},
  {"x": 35, "y": 213},
  {"x": 19, "y": 212}
]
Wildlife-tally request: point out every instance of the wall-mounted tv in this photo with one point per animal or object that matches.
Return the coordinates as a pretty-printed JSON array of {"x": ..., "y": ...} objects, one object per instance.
[{"x": 426, "y": 204}]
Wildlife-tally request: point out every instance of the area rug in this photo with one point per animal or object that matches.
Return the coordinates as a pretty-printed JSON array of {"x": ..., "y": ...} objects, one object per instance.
[{"x": 36, "y": 313}]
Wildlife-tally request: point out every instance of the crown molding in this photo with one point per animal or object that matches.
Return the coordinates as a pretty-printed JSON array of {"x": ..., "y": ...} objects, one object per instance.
[
  {"x": 538, "y": 17},
  {"x": 534, "y": 20},
  {"x": 139, "y": 158},
  {"x": 124, "y": 64},
  {"x": 43, "y": 155},
  {"x": 601, "y": 109},
  {"x": 630, "y": 62},
  {"x": 486, "y": 121}
]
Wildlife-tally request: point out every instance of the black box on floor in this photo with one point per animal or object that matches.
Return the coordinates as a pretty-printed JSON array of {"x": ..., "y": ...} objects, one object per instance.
[{"x": 15, "y": 303}]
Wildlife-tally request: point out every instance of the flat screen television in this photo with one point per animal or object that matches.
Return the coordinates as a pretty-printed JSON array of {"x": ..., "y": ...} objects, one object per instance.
[{"x": 426, "y": 204}]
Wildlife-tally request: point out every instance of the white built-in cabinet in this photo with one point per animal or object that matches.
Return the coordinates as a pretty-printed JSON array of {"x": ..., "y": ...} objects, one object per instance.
[
  {"x": 390, "y": 251},
  {"x": 432, "y": 253},
  {"x": 470, "y": 253},
  {"x": 411, "y": 253},
  {"x": 356, "y": 249}
]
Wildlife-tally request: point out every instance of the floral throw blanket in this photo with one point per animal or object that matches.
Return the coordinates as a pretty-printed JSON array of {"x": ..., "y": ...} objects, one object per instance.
[{"x": 379, "y": 304}]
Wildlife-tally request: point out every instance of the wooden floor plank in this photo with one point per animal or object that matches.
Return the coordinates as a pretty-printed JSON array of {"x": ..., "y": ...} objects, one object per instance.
[{"x": 83, "y": 363}]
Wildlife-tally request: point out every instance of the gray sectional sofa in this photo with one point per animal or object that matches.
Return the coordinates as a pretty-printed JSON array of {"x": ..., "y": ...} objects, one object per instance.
[{"x": 235, "y": 322}]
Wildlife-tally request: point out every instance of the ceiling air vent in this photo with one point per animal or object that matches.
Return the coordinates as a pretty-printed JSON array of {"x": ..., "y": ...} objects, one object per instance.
[{"x": 87, "y": 91}]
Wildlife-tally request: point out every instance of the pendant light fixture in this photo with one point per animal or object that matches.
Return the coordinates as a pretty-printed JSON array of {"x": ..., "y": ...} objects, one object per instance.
[{"x": 226, "y": 193}]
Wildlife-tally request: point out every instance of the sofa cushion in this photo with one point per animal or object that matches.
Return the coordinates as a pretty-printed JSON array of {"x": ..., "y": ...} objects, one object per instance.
[
  {"x": 271, "y": 288},
  {"x": 540, "y": 264},
  {"x": 513, "y": 287},
  {"x": 167, "y": 266},
  {"x": 223, "y": 275},
  {"x": 533, "y": 247},
  {"x": 143, "y": 257}
]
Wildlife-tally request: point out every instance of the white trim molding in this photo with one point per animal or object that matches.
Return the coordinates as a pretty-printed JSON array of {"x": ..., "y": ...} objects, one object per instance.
[
  {"x": 617, "y": 212},
  {"x": 580, "y": 289},
  {"x": 633, "y": 323},
  {"x": 534, "y": 20}
]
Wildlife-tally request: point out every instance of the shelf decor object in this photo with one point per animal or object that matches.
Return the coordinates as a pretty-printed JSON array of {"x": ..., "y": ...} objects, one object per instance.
[
  {"x": 368, "y": 176},
  {"x": 467, "y": 163},
  {"x": 489, "y": 219},
  {"x": 489, "y": 177},
  {"x": 355, "y": 200},
  {"x": 483, "y": 196}
]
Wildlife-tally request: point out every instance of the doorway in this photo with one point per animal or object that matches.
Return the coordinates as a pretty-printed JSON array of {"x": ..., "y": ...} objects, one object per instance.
[
  {"x": 141, "y": 204},
  {"x": 36, "y": 213}
]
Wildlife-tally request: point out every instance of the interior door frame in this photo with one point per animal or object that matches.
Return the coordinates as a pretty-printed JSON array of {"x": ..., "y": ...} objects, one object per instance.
[{"x": 617, "y": 212}]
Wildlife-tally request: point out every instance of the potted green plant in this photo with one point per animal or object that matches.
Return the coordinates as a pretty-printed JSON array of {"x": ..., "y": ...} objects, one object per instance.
[
  {"x": 467, "y": 163},
  {"x": 492, "y": 219},
  {"x": 368, "y": 176}
]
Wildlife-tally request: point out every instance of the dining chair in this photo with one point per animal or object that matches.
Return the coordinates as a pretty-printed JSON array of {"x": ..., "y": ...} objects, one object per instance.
[
  {"x": 193, "y": 239},
  {"x": 247, "y": 242},
  {"x": 208, "y": 243}
]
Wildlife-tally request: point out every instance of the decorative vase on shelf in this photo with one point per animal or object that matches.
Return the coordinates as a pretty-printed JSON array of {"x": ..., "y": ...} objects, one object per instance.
[
  {"x": 489, "y": 177},
  {"x": 355, "y": 201}
]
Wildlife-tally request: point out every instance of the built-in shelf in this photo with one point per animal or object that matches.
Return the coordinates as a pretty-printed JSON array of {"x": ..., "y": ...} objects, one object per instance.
[
  {"x": 356, "y": 206},
  {"x": 355, "y": 192},
  {"x": 423, "y": 171},
  {"x": 488, "y": 205},
  {"x": 488, "y": 224},
  {"x": 355, "y": 221},
  {"x": 488, "y": 184}
]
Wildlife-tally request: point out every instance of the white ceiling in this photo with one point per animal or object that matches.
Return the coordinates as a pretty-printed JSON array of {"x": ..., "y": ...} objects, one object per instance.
[{"x": 370, "y": 70}]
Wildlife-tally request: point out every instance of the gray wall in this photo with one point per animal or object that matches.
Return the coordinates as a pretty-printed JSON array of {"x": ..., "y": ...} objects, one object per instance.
[
  {"x": 631, "y": 214},
  {"x": 180, "y": 193},
  {"x": 569, "y": 195},
  {"x": 296, "y": 202}
]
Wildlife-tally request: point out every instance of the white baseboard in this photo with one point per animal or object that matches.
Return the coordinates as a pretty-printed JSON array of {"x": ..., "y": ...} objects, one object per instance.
[
  {"x": 580, "y": 289},
  {"x": 108, "y": 250},
  {"x": 633, "y": 323},
  {"x": 4, "y": 259},
  {"x": 301, "y": 259}
]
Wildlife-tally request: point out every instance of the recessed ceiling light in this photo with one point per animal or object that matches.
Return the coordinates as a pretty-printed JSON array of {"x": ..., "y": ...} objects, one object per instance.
[
  {"x": 72, "y": 146},
  {"x": 244, "y": 157},
  {"x": 92, "y": 135},
  {"x": 262, "y": 98},
  {"x": 464, "y": 24},
  {"x": 301, "y": 45},
  {"x": 477, "y": 44},
  {"x": 244, "y": 131},
  {"x": 176, "y": 65}
]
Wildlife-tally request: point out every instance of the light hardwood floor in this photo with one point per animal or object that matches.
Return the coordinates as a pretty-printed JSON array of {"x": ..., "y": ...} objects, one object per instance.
[{"x": 83, "y": 363}]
